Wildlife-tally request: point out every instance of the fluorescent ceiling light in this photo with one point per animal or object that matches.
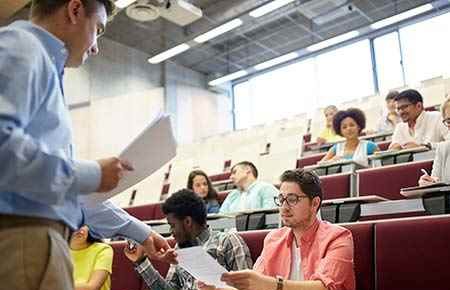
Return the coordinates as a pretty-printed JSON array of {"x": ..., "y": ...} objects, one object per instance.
[
  {"x": 277, "y": 60},
  {"x": 333, "y": 41},
  {"x": 169, "y": 53},
  {"x": 274, "y": 5},
  {"x": 123, "y": 3},
  {"x": 401, "y": 16},
  {"x": 230, "y": 25},
  {"x": 227, "y": 78}
]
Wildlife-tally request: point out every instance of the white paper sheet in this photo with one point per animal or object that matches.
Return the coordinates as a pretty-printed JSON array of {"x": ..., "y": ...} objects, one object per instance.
[
  {"x": 201, "y": 266},
  {"x": 149, "y": 151}
]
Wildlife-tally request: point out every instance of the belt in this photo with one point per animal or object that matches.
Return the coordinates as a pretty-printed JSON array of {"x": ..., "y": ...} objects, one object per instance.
[{"x": 14, "y": 221}]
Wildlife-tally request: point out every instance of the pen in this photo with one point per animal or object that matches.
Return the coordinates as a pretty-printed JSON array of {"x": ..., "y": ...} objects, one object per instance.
[{"x": 424, "y": 171}]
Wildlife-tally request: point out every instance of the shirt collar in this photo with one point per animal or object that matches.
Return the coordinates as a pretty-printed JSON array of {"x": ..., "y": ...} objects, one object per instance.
[
  {"x": 55, "y": 47},
  {"x": 420, "y": 118},
  {"x": 204, "y": 236}
]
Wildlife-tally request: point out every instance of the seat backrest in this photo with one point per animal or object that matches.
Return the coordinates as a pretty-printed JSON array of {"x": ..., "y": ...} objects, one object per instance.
[
  {"x": 384, "y": 145},
  {"x": 123, "y": 274},
  {"x": 335, "y": 185},
  {"x": 363, "y": 237},
  {"x": 220, "y": 177},
  {"x": 309, "y": 160},
  {"x": 413, "y": 254},
  {"x": 254, "y": 241},
  {"x": 380, "y": 181},
  {"x": 221, "y": 196},
  {"x": 142, "y": 212}
]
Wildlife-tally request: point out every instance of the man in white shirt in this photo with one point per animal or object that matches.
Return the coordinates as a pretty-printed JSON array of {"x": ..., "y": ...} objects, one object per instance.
[{"x": 418, "y": 127}]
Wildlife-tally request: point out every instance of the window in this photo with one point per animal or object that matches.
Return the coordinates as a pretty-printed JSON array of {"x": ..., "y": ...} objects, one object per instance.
[
  {"x": 425, "y": 47},
  {"x": 345, "y": 74},
  {"x": 388, "y": 60}
]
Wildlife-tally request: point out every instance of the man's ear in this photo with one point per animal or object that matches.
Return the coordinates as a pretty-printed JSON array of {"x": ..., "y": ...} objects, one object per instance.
[
  {"x": 75, "y": 9},
  {"x": 187, "y": 221},
  {"x": 316, "y": 203}
]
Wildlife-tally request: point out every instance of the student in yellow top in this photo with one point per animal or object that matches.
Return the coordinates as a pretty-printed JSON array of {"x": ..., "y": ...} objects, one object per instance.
[
  {"x": 328, "y": 135},
  {"x": 92, "y": 261}
]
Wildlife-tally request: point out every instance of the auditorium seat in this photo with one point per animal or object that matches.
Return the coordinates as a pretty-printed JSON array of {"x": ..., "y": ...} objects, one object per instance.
[
  {"x": 220, "y": 177},
  {"x": 309, "y": 160},
  {"x": 335, "y": 185},
  {"x": 363, "y": 240},
  {"x": 123, "y": 274},
  {"x": 254, "y": 241},
  {"x": 384, "y": 145},
  {"x": 413, "y": 254},
  {"x": 387, "y": 181},
  {"x": 222, "y": 195},
  {"x": 151, "y": 211}
]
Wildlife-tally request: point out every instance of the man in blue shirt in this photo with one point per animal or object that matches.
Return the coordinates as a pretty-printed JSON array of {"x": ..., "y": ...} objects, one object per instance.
[
  {"x": 42, "y": 185},
  {"x": 250, "y": 193}
]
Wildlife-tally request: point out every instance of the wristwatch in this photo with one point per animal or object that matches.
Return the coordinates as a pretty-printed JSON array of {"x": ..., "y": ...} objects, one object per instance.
[{"x": 280, "y": 282}]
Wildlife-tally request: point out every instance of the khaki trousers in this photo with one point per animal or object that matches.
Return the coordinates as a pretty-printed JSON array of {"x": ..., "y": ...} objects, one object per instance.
[{"x": 34, "y": 254}]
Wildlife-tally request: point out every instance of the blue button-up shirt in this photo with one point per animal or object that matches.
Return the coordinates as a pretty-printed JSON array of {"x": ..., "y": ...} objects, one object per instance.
[{"x": 38, "y": 175}]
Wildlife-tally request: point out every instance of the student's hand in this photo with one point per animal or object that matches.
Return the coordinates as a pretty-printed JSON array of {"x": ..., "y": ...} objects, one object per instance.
[
  {"x": 203, "y": 286},
  {"x": 411, "y": 145},
  {"x": 427, "y": 180},
  {"x": 135, "y": 254},
  {"x": 157, "y": 247},
  {"x": 249, "y": 280},
  {"x": 395, "y": 146},
  {"x": 112, "y": 170},
  {"x": 320, "y": 141}
]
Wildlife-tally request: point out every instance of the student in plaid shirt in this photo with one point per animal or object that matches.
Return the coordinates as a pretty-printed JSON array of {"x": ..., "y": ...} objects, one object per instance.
[{"x": 186, "y": 215}]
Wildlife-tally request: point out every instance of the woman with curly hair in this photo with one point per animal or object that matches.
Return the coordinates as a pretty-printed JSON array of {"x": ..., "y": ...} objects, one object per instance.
[{"x": 349, "y": 124}]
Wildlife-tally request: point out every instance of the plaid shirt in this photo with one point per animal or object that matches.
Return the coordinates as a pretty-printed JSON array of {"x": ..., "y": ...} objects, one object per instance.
[{"x": 229, "y": 249}]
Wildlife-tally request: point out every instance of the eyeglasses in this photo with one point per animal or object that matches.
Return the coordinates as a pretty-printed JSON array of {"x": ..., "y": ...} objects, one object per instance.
[
  {"x": 446, "y": 122},
  {"x": 403, "y": 107},
  {"x": 292, "y": 199}
]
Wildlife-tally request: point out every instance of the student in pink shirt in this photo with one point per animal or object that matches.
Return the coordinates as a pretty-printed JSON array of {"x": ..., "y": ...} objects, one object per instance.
[{"x": 306, "y": 253}]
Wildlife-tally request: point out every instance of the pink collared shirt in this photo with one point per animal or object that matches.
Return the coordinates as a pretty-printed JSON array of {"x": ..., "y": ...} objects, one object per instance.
[{"x": 326, "y": 254}]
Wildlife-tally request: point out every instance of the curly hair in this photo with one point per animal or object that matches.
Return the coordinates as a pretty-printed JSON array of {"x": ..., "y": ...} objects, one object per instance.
[
  {"x": 212, "y": 193},
  {"x": 307, "y": 180},
  {"x": 184, "y": 203},
  {"x": 356, "y": 114}
]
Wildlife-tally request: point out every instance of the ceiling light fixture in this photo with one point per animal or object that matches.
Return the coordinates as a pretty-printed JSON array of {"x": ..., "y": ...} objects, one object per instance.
[
  {"x": 230, "y": 25},
  {"x": 123, "y": 3},
  {"x": 401, "y": 16},
  {"x": 168, "y": 53},
  {"x": 333, "y": 41},
  {"x": 277, "y": 60},
  {"x": 227, "y": 78},
  {"x": 274, "y": 5}
]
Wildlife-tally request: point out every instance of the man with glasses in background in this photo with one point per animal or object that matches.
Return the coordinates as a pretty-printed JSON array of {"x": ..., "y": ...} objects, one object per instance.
[
  {"x": 306, "y": 253},
  {"x": 419, "y": 127}
]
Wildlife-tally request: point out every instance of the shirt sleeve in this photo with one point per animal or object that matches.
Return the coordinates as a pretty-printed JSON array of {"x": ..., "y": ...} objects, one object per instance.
[
  {"x": 333, "y": 149},
  {"x": 33, "y": 171},
  {"x": 437, "y": 162},
  {"x": 154, "y": 280},
  {"x": 104, "y": 259},
  {"x": 236, "y": 253},
  {"x": 371, "y": 147},
  {"x": 267, "y": 193},
  {"x": 335, "y": 269},
  {"x": 107, "y": 220}
]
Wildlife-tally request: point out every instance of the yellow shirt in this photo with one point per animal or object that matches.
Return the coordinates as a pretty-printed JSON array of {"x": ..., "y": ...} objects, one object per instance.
[
  {"x": 98, "y": 256},
  {"x": 329, "y": 135}
]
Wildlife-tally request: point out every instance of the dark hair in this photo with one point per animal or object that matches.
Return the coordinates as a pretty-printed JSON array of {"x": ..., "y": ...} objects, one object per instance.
[
  {"x": 47, "y": 7},
  {"x": 249, "y": 164},
  {"x": 91, "y": 239},
  {"x": 184, "y": 203},
  {"x": 412, "y": 96},
  {"x": 307, "y": 180},
  {"x": 354, "y": 113},
  {"x": 391, "y": 95},
  {"x": 212, "y": 193}
]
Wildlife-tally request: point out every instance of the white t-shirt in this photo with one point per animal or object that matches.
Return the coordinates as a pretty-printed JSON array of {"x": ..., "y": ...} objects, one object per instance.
[
  {"x": 428, "y": 128},
  {"x": 296, "y": 261}
]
